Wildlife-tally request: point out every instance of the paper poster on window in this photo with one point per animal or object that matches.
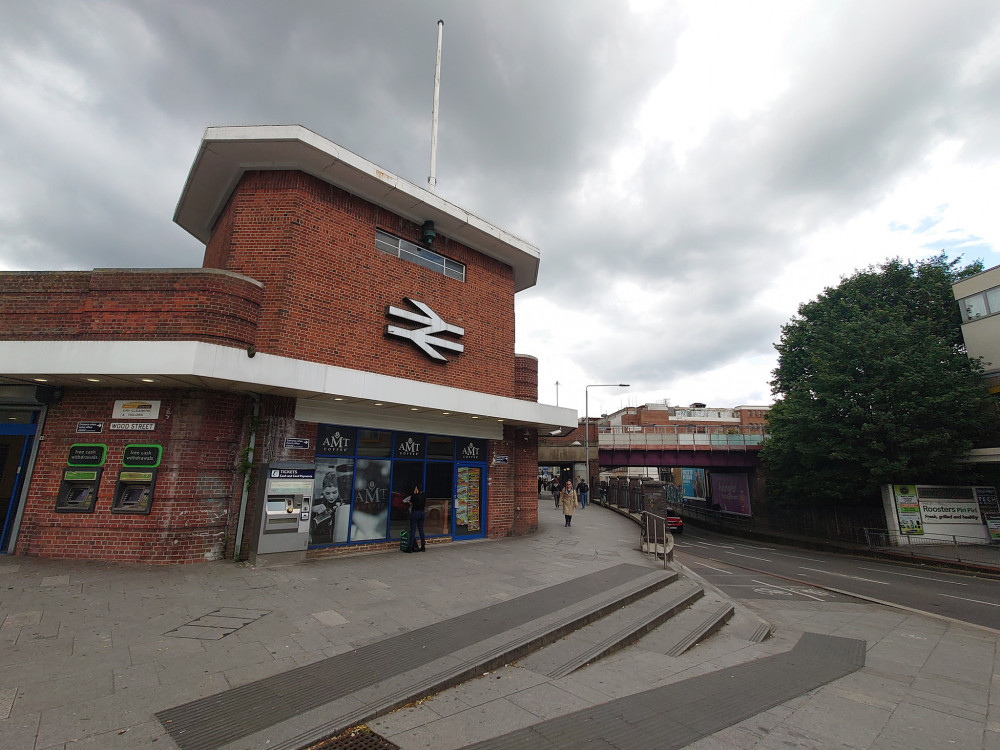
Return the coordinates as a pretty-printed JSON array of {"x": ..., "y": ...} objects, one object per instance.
[{"x": 908, "y": 509}]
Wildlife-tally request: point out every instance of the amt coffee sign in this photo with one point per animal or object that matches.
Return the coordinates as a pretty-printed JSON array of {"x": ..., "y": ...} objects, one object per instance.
[
  {"x": 409, "y": 445},
  {"x": 336, "y": 441},
  {"x": 472, "y": 450}
]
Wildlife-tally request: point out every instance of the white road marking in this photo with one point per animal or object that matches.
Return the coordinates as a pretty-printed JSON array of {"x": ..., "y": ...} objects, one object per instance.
[
  {"x": 737, "y": 554},
  {"x": 844, "y": 575},
  {"x": 910, "y": 575},
  {"x": 727, "y": 572},
  {"x": 790, "y": 591},
  {"x": 964, "y": 599},
  {"x": 797, "y": 557}
]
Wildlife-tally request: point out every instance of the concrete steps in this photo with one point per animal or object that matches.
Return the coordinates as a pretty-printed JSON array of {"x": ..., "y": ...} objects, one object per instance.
[{"x": 614, "y": 631}]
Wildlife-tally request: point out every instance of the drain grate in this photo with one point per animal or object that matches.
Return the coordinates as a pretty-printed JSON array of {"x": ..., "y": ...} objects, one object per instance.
[
  {"x": 217, "y": 624},
  {"x": 358, "y": 738}
]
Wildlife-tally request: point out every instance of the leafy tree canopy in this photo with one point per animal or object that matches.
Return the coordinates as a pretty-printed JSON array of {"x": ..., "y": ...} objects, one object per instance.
[{"x": 873, "y": 386}]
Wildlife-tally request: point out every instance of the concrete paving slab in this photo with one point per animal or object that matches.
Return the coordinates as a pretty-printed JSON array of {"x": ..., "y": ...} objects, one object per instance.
[
  {"x": 835, "y": 720},
  {"x": 7, "y": 696},
  {"x": 919, "y": 728},
  {"x": 80, "y": 685},
  {"x": 20, "y": 732},
  {"x": 407, "y": 718},
  {"x": 115, "y": 617},
  {"x": 546, "y": 700},
  {"x": 467, "y": 727}
]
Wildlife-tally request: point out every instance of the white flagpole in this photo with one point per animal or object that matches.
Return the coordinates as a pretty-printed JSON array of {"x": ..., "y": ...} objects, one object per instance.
[{"x": 432, "y": 179}]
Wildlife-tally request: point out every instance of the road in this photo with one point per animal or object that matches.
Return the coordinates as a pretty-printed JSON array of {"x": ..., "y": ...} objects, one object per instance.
[{"x": 758, "y": 570}]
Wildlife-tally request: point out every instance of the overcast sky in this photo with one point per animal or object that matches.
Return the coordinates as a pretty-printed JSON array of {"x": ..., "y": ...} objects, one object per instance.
[{"x": 692, "y": 172}]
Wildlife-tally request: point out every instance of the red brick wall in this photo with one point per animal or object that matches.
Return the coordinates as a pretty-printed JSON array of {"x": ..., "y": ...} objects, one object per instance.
[
  {"x": 526, "y": 482},
  {"x": 197, "y": 488},
  {"x": 327, "y": 287},
  {"x": 500, "y": 495},
  {"x": 525, "y": 455},
  {"x": 151, "y": 304}
]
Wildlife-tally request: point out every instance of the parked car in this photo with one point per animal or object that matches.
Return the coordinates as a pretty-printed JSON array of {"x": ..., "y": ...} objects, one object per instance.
[{"x": 675, "y": 523}]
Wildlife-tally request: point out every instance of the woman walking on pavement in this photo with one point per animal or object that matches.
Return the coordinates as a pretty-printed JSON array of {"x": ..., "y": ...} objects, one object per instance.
[{"x": 567, "y": 500}]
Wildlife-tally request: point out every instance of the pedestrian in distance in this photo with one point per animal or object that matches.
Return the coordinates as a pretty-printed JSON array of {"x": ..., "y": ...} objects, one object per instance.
[
  {"x": 568, "y": 502},
  {"x": 583, "y": 490},
  {"x": 418, "y": 511},
  {"x": 555, "y": 492}
]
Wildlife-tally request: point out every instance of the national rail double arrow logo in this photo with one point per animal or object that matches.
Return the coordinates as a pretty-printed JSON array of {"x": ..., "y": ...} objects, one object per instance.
[{"x": 424, "y": 337}]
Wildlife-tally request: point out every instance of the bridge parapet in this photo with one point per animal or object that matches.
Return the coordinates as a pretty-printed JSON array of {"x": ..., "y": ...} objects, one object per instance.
[{"x": 670, "y": 437}]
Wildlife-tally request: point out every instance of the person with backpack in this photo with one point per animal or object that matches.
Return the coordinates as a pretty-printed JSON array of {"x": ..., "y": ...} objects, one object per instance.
[
  {"x": 418, "y": 506},
  {"x": 583, "y": 490}
]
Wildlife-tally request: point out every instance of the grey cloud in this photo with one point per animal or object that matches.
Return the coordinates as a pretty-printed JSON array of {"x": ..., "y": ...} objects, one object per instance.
[{"x": 534, "y": 97}]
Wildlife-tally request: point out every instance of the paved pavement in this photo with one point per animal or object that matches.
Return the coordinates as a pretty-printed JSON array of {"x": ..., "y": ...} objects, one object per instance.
[{"x": 90, "y": 652}]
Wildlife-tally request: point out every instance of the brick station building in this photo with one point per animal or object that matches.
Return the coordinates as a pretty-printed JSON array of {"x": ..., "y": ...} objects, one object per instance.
[{"x": 349, "y": 335}]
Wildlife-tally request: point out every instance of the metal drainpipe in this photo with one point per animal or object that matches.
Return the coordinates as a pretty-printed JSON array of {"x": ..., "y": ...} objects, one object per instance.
[{"x": 246, "y": 480}]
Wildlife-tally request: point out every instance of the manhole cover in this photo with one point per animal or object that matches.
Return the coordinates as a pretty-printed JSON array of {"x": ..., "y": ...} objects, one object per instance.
[{"x": 217, "y": 624}]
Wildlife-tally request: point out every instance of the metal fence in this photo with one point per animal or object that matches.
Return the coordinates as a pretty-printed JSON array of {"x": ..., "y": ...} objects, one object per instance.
[{"x": 939, "y": 546}]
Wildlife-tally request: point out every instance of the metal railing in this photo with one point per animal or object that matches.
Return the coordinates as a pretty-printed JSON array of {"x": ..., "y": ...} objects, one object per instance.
[
  {"x": 679, "y": 437},
  {"x": 654, "y": 537},
  {"x": 941, "y": 546},
  {"x": 735, "y": 520}
]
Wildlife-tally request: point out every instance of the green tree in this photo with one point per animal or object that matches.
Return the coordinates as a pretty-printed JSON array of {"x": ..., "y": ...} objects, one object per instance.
[{"x": 873, "y": 386}]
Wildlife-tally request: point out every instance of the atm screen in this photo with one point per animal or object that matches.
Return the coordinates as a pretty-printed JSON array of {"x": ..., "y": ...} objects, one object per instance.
[
  {"x": 77, "y": 497},
  {"x": 133, "y": 497},
  {"x": 279, "y": 503}
]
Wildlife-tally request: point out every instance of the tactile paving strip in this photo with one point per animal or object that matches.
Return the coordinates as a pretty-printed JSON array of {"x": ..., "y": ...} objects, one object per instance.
[
  {"x": 679, "y": 714},
  {"x": 225, "y": 717}
]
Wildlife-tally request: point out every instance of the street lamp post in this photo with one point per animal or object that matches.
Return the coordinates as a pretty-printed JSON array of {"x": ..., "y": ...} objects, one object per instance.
[{"x": 586, "y": 421}]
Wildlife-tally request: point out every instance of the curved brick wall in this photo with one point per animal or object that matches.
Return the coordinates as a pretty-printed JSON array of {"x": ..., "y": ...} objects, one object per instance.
[
  {"x": 213, "y": 306},
  {"x": 525, "y": 377}
]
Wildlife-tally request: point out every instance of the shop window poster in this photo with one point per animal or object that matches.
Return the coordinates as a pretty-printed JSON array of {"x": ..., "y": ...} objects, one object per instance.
[
  {"x": 331, "y": 513},
  {"x": 370, "y": 510},
  {"x": 462, "y": 497},
  {"x": 472, "y": 498}
]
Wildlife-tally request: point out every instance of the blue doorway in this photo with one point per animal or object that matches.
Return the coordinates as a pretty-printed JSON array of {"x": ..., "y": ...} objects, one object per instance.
[{"x": 17, "y": 437}]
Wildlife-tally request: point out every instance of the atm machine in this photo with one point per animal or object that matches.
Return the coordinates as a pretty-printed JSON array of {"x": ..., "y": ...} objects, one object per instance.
[{"x": 285, "y": 510}]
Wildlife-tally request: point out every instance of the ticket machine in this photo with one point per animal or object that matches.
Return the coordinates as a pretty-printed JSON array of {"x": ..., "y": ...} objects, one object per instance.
[{"x": 285, "y": 510}]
